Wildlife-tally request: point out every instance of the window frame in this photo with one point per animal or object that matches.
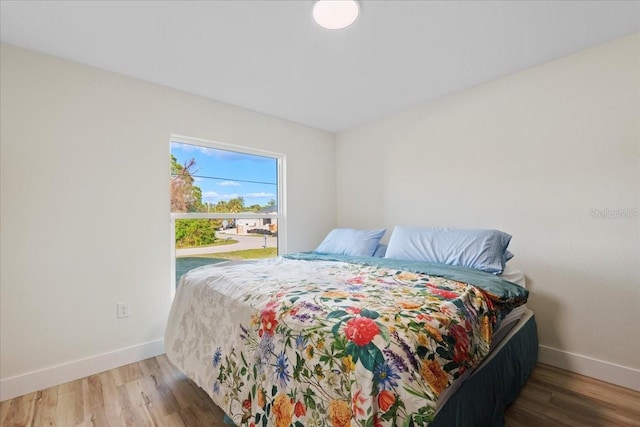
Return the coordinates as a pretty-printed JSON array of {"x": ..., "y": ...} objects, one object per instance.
[{"x": 281, "y": 201}]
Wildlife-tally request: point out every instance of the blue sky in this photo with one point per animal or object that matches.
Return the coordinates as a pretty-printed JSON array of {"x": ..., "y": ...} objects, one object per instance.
[{"x": 224, "y": 175}]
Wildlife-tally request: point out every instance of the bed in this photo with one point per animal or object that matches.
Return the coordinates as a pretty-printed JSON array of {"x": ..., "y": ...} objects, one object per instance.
[{"x": 330, "y": 338}]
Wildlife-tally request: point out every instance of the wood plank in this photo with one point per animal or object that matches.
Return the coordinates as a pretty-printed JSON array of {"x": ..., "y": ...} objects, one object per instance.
[
  {"x": 45, "y": 410},
  {"x": 141, "y": 403},
  {"x": 132, "y": 415},
  {"x": 125, "y": 374},
  {"x": 194, "y": 416},
  {"x": 94, "y": 408},
  {"x": 20, "y": 411},
  {"x": 174, "y": 420},
  {"x": 4, "y": 409},
  {"x": 66, "y": 411},
  {"x": 160, "y": 394},
  {"x": 110, "y": 397},
  {"x": 178, "y": 383},
  {"x": 150, "y": 366},
  {"x": 70, "y": 405}
]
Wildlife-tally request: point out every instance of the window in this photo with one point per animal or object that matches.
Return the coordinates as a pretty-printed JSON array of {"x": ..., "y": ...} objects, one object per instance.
[{"x": 227, "y": 202}]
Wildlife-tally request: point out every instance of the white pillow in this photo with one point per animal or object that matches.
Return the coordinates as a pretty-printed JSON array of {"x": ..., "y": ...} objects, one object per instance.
[
  {"x": 514, "y": 275},
  {"x": 351, "y": 241}
]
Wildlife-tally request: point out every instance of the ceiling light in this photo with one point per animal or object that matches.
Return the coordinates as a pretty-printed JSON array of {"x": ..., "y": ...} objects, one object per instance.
[{"x": 335, "y": 14}]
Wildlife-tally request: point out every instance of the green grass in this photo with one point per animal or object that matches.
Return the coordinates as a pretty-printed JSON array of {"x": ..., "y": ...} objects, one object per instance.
[
  {"x": 244, "y": 254},
  {"x": 219, "y": 242}
]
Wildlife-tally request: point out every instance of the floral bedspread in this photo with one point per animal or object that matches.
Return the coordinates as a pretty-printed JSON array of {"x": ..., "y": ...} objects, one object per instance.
[{"x": 285, "y": 342}]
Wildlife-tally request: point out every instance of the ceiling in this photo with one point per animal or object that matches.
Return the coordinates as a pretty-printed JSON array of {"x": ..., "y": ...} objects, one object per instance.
[{"x": 269, "y": 56}]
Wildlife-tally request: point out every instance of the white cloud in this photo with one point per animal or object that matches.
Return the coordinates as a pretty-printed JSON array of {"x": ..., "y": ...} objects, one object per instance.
[
  {"x": 190, "y": 148},
  {"x": 211, "y": 195},
  {"x": 258, "y": 195},
  {"x": 229, "y": 184},
  {"x": 215, "y": 196},
  {"x": 218, "y": 196}
]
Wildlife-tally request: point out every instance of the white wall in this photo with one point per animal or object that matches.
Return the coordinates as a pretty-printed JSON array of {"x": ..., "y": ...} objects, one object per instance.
[
  {"x": 84, "y": 209},
  {"x": 531, "y": 154}
]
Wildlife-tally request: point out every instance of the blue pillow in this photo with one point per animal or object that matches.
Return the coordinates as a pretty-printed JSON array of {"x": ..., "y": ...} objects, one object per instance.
[
  {"x": 482, "y": 249},
  {"x": 381, "y": 250},
  {"x": 350, "y": 241},
  {"x": 507, "y": 256}
]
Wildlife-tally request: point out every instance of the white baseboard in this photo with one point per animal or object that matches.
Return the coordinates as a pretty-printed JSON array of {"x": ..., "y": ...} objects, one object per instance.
[
  {"x": 584, "y": 365},
  {"x": 55, "y": 375}
]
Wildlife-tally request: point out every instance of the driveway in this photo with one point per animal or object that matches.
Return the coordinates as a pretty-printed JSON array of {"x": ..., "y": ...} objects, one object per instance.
[{"x": 244, "y": 242}]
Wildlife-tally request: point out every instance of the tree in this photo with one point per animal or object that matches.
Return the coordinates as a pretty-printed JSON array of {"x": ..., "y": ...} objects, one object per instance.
[
  {"x": 231, "y": 206},
  {"x": 196, "y": 232},
  {"x": 184, "y": 196},
  {"x": 236, "y": 205}
]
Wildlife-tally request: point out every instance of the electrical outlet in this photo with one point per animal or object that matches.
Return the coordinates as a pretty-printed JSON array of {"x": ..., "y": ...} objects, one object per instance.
[{"x": 123, "y": 310}]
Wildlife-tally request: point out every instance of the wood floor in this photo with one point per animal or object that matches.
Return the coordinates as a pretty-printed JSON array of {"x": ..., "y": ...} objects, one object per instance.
[{"x": 154, "y": 393}]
